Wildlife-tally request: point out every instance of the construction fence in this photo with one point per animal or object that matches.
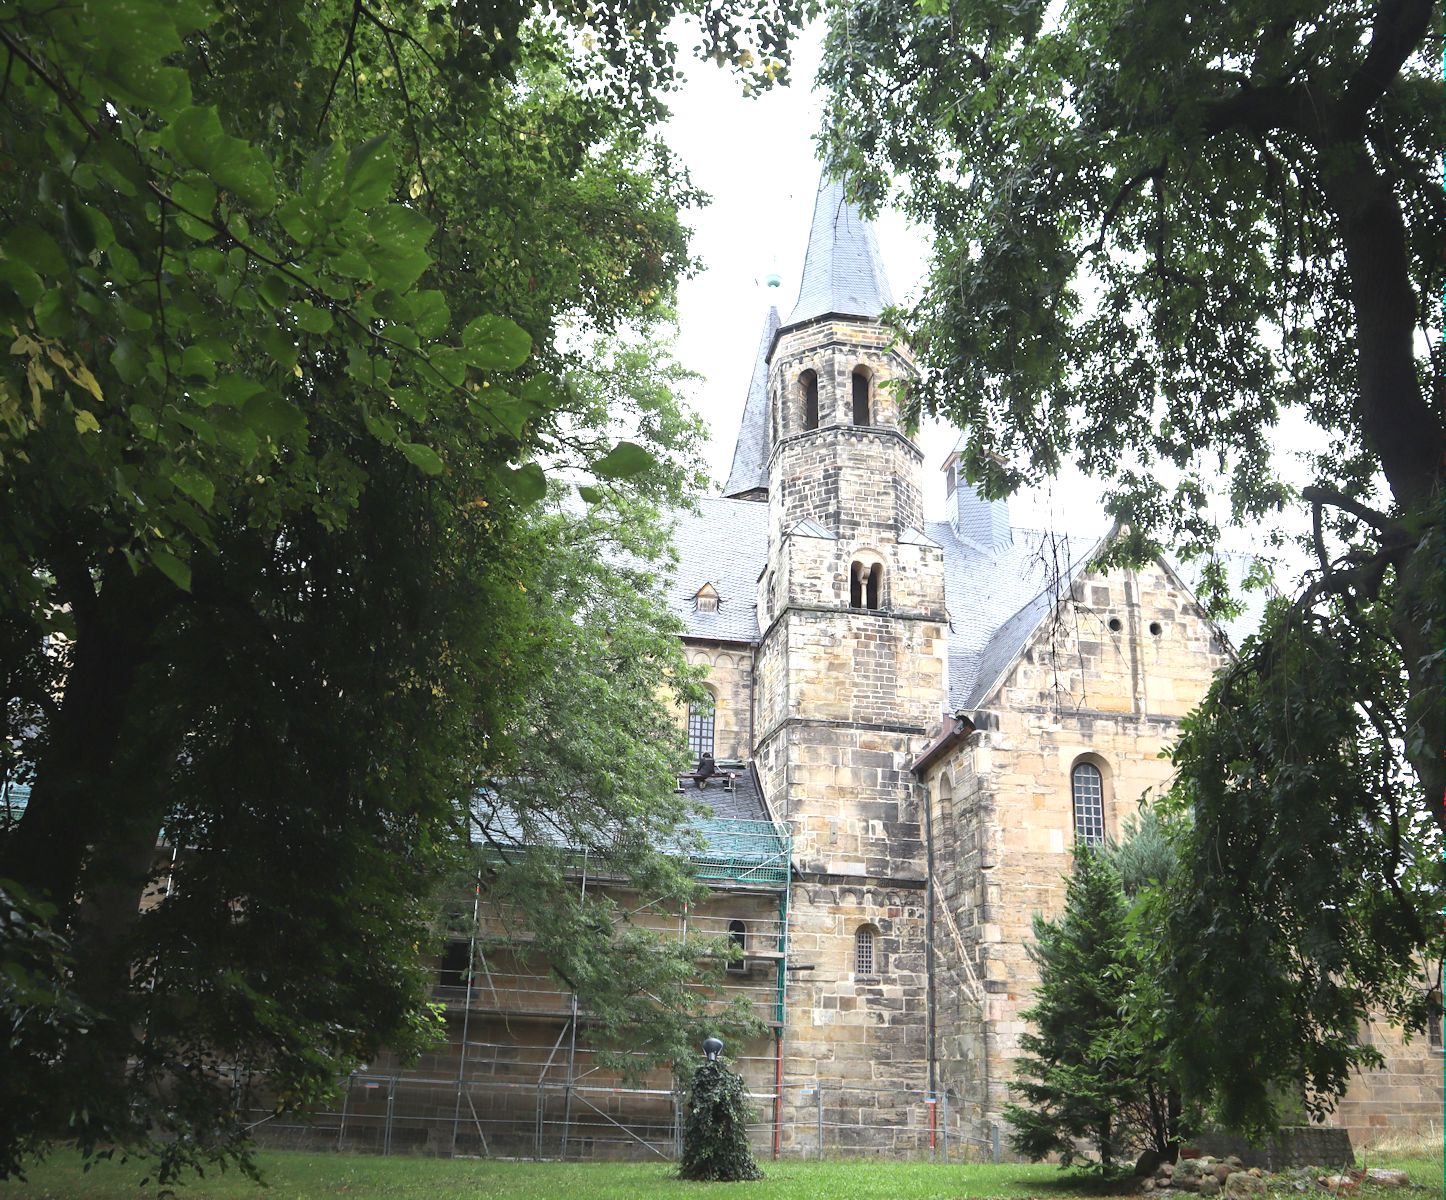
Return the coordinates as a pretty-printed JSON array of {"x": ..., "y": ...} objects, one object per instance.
[{"x": 403, "y": 1114}]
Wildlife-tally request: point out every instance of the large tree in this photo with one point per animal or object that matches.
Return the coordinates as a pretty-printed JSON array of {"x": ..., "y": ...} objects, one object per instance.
[
  {"x": 1170, "y": 240},
  {"x": 295, "y": 297}
]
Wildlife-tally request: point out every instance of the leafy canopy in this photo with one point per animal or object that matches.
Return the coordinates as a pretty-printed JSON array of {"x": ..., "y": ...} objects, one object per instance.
[
  {"x": 1168, "y": 238},
  {"x": 301, "y": 302}
]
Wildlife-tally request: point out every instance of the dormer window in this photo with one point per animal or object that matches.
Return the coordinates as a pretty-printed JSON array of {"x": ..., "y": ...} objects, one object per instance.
[
  {"x": 863, "y": 415},
  {"x": 706, "y": 599},
  {"x": 808, "y": 384}
]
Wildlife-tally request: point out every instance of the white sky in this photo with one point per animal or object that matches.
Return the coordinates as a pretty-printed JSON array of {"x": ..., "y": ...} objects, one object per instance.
[{"x": 756, "y": 158}]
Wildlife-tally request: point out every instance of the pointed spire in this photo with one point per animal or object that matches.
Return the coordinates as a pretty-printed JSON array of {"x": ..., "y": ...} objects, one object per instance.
[
  {"x": 842, "y": 272},
  {"x": 750, "y": 456}
]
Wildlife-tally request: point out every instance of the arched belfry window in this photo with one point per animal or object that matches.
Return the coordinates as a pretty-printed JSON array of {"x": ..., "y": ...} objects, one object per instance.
[
  {"x": 862, "y": 413},
  {"x": 1087, "y": 785},
  {"x": 866, "y": 585},
  {"x": 866, "y": 959},
  {"x": 808, "y": 385}
]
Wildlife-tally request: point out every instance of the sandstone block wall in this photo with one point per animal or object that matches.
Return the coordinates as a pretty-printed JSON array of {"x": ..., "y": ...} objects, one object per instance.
[
  {"x": 1406, "y": 1095},
  {"x": 861, "y": 1036},
  {"x": 852, "y": 480},
  {"x": 1002, "y": 815},
  {"x": 833, "y": 349},
  {"x": 730, "y": 678}
]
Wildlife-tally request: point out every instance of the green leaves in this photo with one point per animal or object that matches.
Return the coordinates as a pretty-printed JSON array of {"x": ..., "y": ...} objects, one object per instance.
[
  {"x": 370, "y": 171},
  {"x": 495, "y": 343},
  {"x": 527, "y": 483},
  {"x": 232, "y": 360},
  {"x": 273, "y": 417},
  {"x": 623, "y": 461},
  {"x": 424, "y": 458},
  {"x": 235, "y": 165},
  {"x": 195, "y": 484},
  {"x": 173, "y": 568}
]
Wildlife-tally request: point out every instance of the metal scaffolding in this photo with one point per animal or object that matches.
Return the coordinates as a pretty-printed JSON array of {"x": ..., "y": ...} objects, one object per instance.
[{"x": 525, "y": 1083}]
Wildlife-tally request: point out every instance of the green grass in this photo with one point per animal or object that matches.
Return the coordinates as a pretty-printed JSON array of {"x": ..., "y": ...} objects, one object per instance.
[{"x": 298, "y": 1176}]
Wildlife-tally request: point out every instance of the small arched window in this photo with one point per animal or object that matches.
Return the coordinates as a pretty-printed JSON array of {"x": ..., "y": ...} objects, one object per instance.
[
  {"x": 866, "y": 585},
  {"x": 700, "y": 730},
  {"x": 808, "y": 383},
  {"x": 862, "y": 415},
  {"x": 1089, "y": 804},
  {"x": 865, "y": 960}
]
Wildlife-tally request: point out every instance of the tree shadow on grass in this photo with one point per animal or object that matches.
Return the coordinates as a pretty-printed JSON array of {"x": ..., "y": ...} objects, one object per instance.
[{"x": 1083, "y": 1183}]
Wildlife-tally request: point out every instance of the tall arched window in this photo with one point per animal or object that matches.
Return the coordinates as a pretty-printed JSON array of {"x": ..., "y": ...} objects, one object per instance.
[
  {"x": 862, "y": 415},
  {"x": 737, "y": 940},
  {"x": 700, "y": 730},
  {"x": 865, "y": 960},
  {"x": 808, "y": 383},
  {"x": 1089, "y": 804}
]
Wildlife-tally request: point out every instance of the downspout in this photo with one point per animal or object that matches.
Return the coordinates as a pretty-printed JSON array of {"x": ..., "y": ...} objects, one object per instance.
[
  {"x": 780, "y": 1006},
  {"x": 930, "y": 1025}
]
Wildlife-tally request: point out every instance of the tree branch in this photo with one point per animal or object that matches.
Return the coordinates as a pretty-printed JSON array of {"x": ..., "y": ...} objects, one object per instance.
[
  {"x": 346, "y": 53},
  {"x": 1127, "y": 189},
  {"x": 1319, "y": 494},
  {"x": 1398, "y": 30}
]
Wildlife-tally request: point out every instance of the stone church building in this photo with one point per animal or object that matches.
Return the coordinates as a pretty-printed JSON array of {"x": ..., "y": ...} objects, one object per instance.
[
  {"x": 937, "y": 711},
  {"x": 913, "y": 723}
]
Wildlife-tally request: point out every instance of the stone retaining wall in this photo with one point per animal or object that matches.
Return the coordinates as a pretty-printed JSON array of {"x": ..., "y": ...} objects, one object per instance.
[{"x": 1305, "y": 1146}]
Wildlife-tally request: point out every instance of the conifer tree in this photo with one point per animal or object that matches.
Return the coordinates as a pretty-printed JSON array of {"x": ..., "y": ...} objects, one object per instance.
[{"x": 1088, "y": 1073}]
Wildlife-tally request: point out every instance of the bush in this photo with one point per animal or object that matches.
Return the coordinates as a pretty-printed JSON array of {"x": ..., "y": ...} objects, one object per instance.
[{"x": 715, "y": 1132}]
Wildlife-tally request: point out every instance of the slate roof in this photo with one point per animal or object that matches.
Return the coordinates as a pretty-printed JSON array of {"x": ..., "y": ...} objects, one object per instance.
[
  {"x": 724, "y": 543},
  {"x": 843, "y": 271},
  {"x": 750, "y": 453},
  {"x": 743, "y": 802}
]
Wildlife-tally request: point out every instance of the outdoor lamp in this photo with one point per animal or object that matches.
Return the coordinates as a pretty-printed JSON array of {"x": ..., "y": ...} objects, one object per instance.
[{"x": 712, "y": 1047}]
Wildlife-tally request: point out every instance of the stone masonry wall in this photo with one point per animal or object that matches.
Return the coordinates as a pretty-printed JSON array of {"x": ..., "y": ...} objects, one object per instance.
[
  {"x": 1404, "y": 1096},
  {"x": 861, "y": 1036},
  {"x": 853, "y": 481},
  {"x": 730, "y": 678},
  {"x": 833, "y": 349}
]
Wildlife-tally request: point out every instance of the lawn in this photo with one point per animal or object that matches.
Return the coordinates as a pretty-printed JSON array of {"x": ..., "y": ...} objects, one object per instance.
[{"x": 296, "y": 1176}]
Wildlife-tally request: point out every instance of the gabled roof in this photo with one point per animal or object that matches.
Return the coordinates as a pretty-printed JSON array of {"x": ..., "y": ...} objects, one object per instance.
[
  {"x": 997, "y": 597},
  {"x": 843, "y": 272},
  {"x": 750, "y": 453}
]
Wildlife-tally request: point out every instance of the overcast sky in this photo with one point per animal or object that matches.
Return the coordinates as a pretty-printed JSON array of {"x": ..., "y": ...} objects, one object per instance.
[{"x": 756, "y": 158}]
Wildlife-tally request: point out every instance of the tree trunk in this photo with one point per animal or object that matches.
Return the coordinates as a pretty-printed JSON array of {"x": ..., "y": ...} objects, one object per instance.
[
  {"x": 46, "y": 853},
  {"x": 1399, "y": 426}
]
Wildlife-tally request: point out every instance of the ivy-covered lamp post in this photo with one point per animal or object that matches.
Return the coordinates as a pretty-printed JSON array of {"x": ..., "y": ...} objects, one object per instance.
[{"x": 715, "y": 1132}]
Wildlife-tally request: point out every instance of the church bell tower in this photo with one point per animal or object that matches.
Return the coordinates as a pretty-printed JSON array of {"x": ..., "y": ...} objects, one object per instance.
[{"x": 850, "y": 671}]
